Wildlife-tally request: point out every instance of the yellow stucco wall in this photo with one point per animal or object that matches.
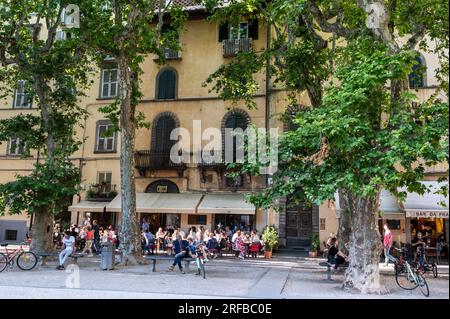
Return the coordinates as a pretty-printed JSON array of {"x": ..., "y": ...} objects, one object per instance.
[{"x": 201, "y": 55}]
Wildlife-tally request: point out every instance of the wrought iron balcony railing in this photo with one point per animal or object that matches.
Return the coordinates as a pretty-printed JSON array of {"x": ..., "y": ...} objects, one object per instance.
[
  {"x": 153, "y": 160},
  {"x": 101, "y": 191},
  {"x": 232, "y": 46}
]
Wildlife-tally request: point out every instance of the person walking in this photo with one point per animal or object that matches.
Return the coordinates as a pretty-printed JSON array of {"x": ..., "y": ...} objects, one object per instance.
[
  {"x": 89, "y": 241},
  {"x": 96, "y": 230},
  {"x": 387, "y": 243}
]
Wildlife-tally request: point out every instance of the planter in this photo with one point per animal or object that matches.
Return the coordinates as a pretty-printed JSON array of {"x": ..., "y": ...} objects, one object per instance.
[
  {"x": 268, "y": 253},
  {"x": 312, "y": 254}
]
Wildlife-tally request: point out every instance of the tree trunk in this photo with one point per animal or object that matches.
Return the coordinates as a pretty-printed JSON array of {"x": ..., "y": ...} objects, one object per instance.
[
  {"x": 42, "y": 228},
  {"x": 365, "y": 244},
  {"x": 129, "y": 234},
  {"x": 42, "y": 231},
  {"x": 344, "y": 228}
]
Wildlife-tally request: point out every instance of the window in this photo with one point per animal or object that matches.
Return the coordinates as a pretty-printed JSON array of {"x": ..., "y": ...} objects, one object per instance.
[
  {"x": 10, "y": 234},
  {"x": 16, "y": 146},
  {"x": 104, "y": 180},
  {"x": 106, "y": 138},
  {"x": 21, "y": 96},
  {"x": 416, "y": 77},
  {"x": 166, "y": 85},
  {"x": 233, "y": 124},
  {"x": 109, "y": 82},
  {"x": 322, "y": 223},
  {"x": 196, "y": 219},
  {"x": 245, "y": 29},
  {"x": 239, "y": 31}
]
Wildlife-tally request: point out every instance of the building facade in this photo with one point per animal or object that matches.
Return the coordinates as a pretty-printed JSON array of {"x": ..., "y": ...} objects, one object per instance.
[{"x": 182, "y": 194}]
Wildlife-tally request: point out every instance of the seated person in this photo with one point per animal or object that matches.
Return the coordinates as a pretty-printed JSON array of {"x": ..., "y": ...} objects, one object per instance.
[
  {"x": 212, "y": 245},
  {"x": 335, "y": 256},
  {"x": 182, "y": 249},
  {"x": 68, "y": 249},
  {"x": 149, "y": 242}
]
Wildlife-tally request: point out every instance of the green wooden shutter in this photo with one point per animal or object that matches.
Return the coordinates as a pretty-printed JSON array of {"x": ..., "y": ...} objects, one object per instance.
[{"x": 223, "y": 32}]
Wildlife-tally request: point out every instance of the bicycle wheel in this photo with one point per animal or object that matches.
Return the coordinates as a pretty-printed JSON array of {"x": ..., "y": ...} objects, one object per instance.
[
  {"x": 405, "y": 280},
  {"x": 3, "y": 262},
  {"x": 422, "y": 283},
  {"x": 27, "y": 260},
  {"x": 435, "y": 270}
]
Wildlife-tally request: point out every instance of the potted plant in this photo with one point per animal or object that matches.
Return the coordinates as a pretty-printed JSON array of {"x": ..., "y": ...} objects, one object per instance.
[
  {"x": 270, "y": 239},
  {"x": 315, "y": 245}
]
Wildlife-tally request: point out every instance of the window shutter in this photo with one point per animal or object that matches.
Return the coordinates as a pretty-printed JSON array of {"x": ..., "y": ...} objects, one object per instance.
[
  {"x": 170, "y": 88},
  {"x": 253, "y": 29},
  {"x": 162, "y": 86},
  {"x": 223, "y": 32},
  {"x": 166, "y": 85}
]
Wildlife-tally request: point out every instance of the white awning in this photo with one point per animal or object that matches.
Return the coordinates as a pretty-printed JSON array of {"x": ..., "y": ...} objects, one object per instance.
[
  {"x": 225, "y": 204},
  {"x": 179, "y": 203},
  {"x": 389, "y": 207},
  {"x": 88, "y": 206},
  {"x": 428, "y": 204},
  {"x": 116, "y": 204}
]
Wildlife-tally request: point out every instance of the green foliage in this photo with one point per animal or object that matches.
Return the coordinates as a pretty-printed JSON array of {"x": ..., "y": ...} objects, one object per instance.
[
  {"x": 56, "y": 74},
  {"x": 49, "y": 185},
  {"x": 270, "y": 237},
  {"x": 235, "y": 81},
  {"x": 346, "y": 144},
  {"x": 315, "y": 242}
]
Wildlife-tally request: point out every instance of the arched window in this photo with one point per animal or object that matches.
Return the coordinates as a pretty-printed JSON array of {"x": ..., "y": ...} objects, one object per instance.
[
  {"x": 161, "y": 142},
  {"x": 163, "y": 126},
  {"x": 233, "y": 121},
  {"x": 416, "y": 77},
  {"x": 166, "y": 84}
]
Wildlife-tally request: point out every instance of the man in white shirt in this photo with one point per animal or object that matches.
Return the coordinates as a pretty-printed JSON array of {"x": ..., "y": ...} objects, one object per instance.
[{"x": 68, "y": 249}]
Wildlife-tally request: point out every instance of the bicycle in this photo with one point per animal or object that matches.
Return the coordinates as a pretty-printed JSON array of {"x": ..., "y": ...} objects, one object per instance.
[
  {"x": 427, "y": 267},
  {"x": 26, "y": 260},
  {"x": 200, "y": 261},
  {"x": 408, "y": 277}
]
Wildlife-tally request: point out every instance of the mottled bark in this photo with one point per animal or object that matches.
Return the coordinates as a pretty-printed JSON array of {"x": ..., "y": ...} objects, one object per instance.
[
  {"x": 129, "y": 235},
  {"x": 365, "y": 244},
  {"x": 42, "y": 231},
  {"x": 344, "y": 228},
  {"x": 42, "y": 228}
]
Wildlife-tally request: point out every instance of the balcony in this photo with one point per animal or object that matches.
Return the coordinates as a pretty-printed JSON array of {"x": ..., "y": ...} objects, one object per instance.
[
  {"x": 232, "y": 46},
  {"x": 155, "y": 160},
  {"x": 169, "y": 54},
  {"x": 101, "y": 192}
]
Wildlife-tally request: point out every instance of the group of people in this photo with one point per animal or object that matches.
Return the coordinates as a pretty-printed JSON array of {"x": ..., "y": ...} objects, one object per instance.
[
  {"x": 87, "y": 238},
  {"x": 215, "y": 241},
  {"x": 418, "y": 245}
]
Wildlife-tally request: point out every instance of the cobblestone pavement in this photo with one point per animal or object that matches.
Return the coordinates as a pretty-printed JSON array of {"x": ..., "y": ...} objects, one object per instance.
[{"x": 282, "y": 277}]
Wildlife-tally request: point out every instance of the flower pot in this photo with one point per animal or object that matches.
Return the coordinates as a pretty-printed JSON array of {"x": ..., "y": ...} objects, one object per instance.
[
  {"x": 312, "y": 254},
  {"x": 268, "y": 253}
]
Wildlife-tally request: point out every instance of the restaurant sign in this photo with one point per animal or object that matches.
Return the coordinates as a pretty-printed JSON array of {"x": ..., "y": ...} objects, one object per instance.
[{"x": 427, "y": 214}]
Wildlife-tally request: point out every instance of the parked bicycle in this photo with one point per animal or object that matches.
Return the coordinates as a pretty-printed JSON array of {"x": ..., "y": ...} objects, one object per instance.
[
  {"x": 408, "y": 277},
  {"x": 26, "y": 260},
  {"x": 426, "y": 267}
]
